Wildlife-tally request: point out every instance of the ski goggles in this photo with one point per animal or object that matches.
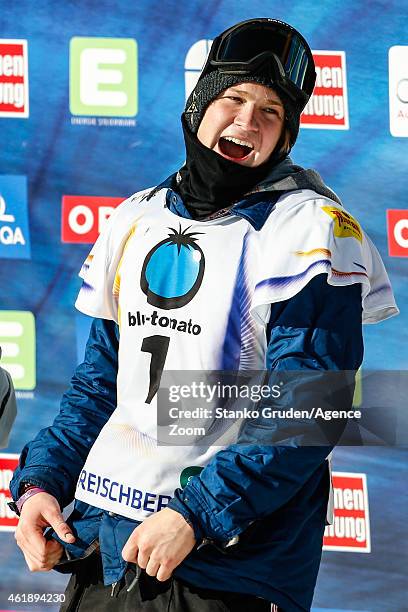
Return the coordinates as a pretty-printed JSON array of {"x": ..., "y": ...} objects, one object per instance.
[{"x": 260, "y": 45}]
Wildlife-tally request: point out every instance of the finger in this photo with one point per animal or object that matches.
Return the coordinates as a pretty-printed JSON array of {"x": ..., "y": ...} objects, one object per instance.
[
  {"x": 45, "y": 565},
  {"x": 36, "y": 549},
  {"x": 32, "y": 563},
  {"x": 55, "y": 548},
  {"x": 52, "y": 554},
  {"x": 33, "y": 540},
  {"x": 56, "y": 521},
  {"x": 164, "y": 572},
  {"x": 50, "y": 547},
  {"x": 143, "y": 558},
  {"x": 152, "y": 567},
  {"x": 130, "y": 550}
]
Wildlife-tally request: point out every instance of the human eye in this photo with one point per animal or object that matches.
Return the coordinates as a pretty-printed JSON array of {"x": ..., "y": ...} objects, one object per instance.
[
  {"x": 273, "y": 111},
  {"x": 270, "y": 110},
  {"x": 233, "y": 98}
]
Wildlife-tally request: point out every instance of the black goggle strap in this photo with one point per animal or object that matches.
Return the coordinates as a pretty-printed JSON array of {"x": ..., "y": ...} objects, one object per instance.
[
  {"x": 264, "y": 60},
  {"x": 263, "y": 63}
]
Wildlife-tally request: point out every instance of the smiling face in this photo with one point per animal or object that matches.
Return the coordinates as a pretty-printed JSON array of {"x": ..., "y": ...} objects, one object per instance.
[{"x": 243, "y": 124}]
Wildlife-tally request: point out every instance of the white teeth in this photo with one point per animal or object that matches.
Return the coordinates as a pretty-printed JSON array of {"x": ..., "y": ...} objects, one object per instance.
[{"x": 238, "y": 141}]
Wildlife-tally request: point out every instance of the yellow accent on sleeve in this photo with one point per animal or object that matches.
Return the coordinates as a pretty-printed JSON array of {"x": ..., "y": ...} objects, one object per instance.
[
  {"x": 345, "y": 226},
  {"x": 320, "y": 251}
]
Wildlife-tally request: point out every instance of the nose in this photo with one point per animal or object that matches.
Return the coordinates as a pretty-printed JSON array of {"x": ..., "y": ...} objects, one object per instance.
[{"x": 246, "y": 117}]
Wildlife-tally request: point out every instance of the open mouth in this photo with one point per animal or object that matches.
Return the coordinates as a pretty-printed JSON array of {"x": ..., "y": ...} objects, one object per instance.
[{"x": 234, "y": 148}]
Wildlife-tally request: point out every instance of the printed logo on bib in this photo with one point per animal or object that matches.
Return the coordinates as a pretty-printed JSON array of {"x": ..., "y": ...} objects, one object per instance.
[
  {"x": 187, "y": 474},
  {"x": 345, "y": 226},
  {"x": 121, "y": 493},
  {"x": 153, "y": 318},
  {"x": 173, "y": 270}
]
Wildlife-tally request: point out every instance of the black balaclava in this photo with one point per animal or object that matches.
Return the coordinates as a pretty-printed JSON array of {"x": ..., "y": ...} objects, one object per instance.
[{"x": 208, "y": 182}]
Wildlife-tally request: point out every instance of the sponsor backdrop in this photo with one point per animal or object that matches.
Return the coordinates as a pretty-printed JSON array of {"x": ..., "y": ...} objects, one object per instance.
[{"x": 90, "y": 99}]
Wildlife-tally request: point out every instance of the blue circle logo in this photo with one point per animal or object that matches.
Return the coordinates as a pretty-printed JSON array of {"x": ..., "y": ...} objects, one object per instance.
[{"x": 173, "y": 270}]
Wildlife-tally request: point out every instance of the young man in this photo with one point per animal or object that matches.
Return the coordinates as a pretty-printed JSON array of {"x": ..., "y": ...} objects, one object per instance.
[{"x": 240, "y": 261}]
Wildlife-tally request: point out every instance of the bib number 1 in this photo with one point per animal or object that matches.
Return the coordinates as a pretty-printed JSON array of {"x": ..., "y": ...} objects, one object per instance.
[{"x": 158, "y": 346}]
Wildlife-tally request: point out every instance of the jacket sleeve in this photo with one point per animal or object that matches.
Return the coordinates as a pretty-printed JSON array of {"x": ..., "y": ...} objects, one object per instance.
[
  {"x": 54, "y": 459},
  {"x": 318, "y": 329}
]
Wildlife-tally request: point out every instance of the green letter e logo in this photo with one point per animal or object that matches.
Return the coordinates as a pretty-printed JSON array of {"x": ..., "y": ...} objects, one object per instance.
[{"x": 103, "y": 77}]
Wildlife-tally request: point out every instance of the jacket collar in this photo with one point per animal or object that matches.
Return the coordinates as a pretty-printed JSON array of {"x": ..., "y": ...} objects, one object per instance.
[{"x": 259, "y": 203}]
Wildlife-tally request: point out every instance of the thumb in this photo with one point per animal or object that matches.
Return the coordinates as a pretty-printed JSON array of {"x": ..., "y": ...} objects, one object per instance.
[{"x": 55, "y": 519}]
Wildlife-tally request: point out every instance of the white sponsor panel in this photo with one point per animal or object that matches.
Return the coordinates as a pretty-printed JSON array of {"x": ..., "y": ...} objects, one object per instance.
[
  {"x": 398, "y": 89},
  {"x": 194, "y": 63}
]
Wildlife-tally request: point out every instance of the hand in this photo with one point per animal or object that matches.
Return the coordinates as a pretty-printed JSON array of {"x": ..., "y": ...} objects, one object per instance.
[
  {"x": 40, "y": 511},
  {"x": 160, "y": 543}
]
